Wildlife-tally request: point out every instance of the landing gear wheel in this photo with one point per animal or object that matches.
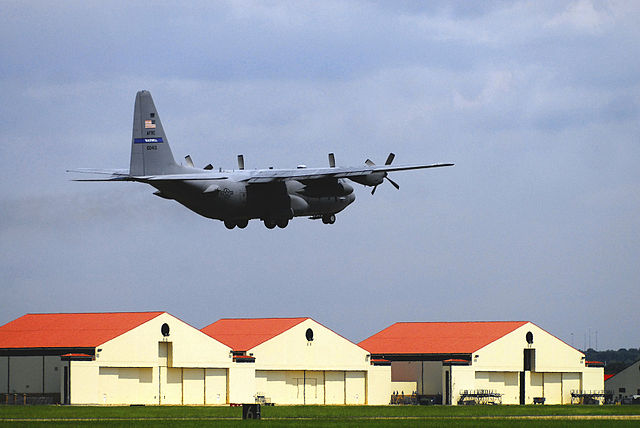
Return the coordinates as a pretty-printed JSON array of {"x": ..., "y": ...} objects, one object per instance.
[
  {"x": 270, "y": 224},
  {"x": 242, "y": 223},
  {"x": 282, "y": 223},
  {"x": 329, "y": 218},
  {"x": 229, "y": 224}
]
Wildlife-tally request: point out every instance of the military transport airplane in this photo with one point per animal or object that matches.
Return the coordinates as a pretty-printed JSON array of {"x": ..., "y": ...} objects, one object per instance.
[{"x": 235, "y": 196}]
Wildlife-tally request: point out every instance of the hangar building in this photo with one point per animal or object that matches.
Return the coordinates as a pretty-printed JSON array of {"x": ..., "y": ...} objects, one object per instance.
[
  {"x": 508, "y": 362},
  {"x": 299, "y": 361},
  {"x": 625, "y": 383},
  {"x": 117, "y": 358}
]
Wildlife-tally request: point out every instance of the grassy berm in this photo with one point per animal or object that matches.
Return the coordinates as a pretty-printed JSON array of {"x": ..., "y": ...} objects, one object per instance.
[{"x": 322, "y": 416}]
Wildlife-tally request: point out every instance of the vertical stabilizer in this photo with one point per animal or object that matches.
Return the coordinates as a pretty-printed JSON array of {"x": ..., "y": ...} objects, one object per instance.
[{"x": 150, "y": 151}]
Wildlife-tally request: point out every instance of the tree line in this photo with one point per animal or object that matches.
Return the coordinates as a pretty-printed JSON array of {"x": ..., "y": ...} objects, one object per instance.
[{"x": 615, "y": 361}]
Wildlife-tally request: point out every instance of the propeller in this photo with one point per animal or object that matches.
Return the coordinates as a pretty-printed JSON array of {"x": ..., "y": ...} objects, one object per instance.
[
  {"x": 332, "y": 160},
  {"x": 385, "y": 176},
  {"x": 189, "y": 162}
]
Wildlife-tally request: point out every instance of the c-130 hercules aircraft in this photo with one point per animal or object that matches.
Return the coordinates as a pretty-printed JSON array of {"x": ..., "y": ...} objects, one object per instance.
[{"x": 274, "y": 196}]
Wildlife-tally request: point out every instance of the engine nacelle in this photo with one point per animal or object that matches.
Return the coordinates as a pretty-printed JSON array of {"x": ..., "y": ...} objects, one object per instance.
[
  {"x": 326, "y": 189},
  {"x": 372, "y": 179}
]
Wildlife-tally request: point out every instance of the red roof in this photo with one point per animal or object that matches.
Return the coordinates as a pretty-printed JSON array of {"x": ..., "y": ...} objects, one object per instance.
[
  {"x": 608, "y": 376},
  {"x": 242, "y": 334},
  {"x": 437, "y": 337},
  {"x": 69, "y": 330}
]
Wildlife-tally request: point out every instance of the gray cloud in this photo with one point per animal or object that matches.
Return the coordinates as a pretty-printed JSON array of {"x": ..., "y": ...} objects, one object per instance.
[{"x": 537, "y": 103}]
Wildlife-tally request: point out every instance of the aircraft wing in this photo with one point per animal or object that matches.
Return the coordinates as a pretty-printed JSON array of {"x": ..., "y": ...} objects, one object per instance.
[
  {"x": 261, "y": 175},
  {"x": 266, "y": 175}
]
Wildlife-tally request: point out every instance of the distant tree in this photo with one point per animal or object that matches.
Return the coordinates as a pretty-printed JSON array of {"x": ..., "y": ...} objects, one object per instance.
[{"x": 615, "y": 361}]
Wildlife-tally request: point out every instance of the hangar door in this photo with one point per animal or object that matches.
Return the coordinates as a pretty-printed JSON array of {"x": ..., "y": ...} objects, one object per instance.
[
  {"x": 204, "y": 386},
  {"x": 311, "y": 387},
  {"x": 505, "y": 383},
  {"x": 291, "y": 386},
  {"x": 355, "y": 387},
  {"x": 552, "y": 388},
  {"x": 192, "y": 386},
  {"x": 570, "y": 382},
  {"x": 126, "y": 385}
]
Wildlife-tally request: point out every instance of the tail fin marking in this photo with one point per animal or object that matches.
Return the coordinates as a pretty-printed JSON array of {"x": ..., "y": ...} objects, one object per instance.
[{"x": 150, "y": 151}]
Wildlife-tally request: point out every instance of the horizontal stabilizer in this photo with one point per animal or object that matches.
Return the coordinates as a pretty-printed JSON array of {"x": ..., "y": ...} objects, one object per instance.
[
  {"x": 100, "y": 171},
  {"x": 121, "y": 178}
]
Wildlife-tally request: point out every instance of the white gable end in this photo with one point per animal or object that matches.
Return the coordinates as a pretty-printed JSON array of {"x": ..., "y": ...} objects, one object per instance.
[{"x": 326, "y": 351}]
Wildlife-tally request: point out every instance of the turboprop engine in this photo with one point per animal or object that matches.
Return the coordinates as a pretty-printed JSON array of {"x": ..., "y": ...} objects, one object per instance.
[{"x": 326, "y": 189}]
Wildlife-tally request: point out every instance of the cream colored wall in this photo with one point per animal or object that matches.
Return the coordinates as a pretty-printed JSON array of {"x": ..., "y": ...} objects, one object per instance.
[
  {"x": 313, "y": 382},
  {"x": 462, "y": 378},
  {"x": 570, "y": 382},
  {"x": 193, "y": 386},
  {"x": 379, "y": 385},
  {"x": 143, "y": 367},
  {"x": 593, "y": 379},
  {"x": 534, "y": 382},
  {"x": 280, "y": 386},
  {"x": 291, "y": 351},
  {"x": 506, "y": 383},
  {"x": 91, "y": 384},
  {"x": 403, "y": 387},
  {"x": 170, "y": 385},
  {"x": 334, "y": 387},
  {"x": 629, "y": 379},
  {"x": 355, "y": 387},
  {"x": 553, "y": 388},
  {"x": 84, "y": 383},
  {"x": 322, "y": 387},
  {"x": 120, "y": 385},
  {"x": 191, "y": 348},
  {"x": 216, "y": 386},
  {"x": 507, "y": 353},
  {"x": 242, "y": 383},
  {"x": 339, "y": 369}
]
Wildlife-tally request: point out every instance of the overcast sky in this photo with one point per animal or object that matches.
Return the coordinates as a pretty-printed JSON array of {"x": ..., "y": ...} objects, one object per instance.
[{"x": 537, "y": 103}]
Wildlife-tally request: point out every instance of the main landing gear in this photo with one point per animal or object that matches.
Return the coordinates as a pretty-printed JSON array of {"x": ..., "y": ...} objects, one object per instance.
[
  {"x": 329, "y": 218},
  {"x": 241, "y": 223},
  {"x": 271, "y": 223}
]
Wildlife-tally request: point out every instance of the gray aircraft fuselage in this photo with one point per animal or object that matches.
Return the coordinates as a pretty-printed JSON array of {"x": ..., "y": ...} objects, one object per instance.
[
  {"x": 274, "y": 196},
  {"x": 235, "y": 201}
]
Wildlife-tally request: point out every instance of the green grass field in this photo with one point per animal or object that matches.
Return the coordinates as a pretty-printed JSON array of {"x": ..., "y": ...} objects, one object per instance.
[{"x": 323, "y": 416}]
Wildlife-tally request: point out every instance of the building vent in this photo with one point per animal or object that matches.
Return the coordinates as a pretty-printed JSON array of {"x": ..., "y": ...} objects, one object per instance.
[
  {"x": 529, "y": 337},
  {"x": 165, "y": 329},
  {"x": 309, "y": 335}
]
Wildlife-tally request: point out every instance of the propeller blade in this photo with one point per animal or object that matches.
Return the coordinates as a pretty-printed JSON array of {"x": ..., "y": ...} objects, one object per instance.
[
  {"x": 396, "y": 185},
  {"x": 390, "y": 159},
  {"x": 369, "y": 162},
  {"x": 374, "y": 189},
  {"x": 187, "y": 159},
  {"x": 332, "y": 160}
]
